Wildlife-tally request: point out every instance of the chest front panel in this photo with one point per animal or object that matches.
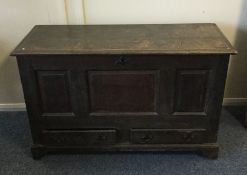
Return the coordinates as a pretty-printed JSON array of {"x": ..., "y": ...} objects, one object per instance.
[{"x": 125, "y": 92}]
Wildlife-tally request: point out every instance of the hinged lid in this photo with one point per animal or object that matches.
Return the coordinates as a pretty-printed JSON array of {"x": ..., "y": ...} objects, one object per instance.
[{"x": 125, "y": 39}]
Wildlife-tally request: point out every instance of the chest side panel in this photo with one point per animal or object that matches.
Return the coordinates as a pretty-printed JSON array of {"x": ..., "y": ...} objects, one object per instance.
[
  {"x": 54, "y": 91},
  {"x": 191, "y": 91}
]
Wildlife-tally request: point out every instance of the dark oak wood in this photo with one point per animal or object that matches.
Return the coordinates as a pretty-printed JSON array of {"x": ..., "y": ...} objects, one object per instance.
[
  {"x": 54, "y": 91},
  {"x": 191, "y": 84},
  {"x": 79, "y": 137},
  {"x": 245, "y": 121},
  {"x": 124, "y": 87},
  {"x": 136, "y": 89},
  {"x": 209, "y": 150},
  {"x": 125, "y": 39},
  {"x": 167, "y": 136}
]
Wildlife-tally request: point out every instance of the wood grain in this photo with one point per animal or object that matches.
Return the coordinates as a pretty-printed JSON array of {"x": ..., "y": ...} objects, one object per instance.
[
  {"x": 125, "y": 39},
  {"x": 164, "y": 93}
]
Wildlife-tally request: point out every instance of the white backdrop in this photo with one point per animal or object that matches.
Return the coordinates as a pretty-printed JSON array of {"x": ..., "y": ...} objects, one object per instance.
[{"x": 17, "y": 17}]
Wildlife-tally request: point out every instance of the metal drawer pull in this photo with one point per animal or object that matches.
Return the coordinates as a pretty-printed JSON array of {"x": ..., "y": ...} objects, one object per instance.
[
  {"x": 146, "y": 138},
  {"x": 102, "y": 137},
  {"x": 189, "y": 137}
]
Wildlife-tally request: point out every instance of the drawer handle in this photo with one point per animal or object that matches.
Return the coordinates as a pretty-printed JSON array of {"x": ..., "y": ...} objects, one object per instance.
[
  {"x": 189, "y": 137},
  {"x": 146, "y": 138},
  {"x": 121, "y": 61},
  {"x": 102, "y": 137}
]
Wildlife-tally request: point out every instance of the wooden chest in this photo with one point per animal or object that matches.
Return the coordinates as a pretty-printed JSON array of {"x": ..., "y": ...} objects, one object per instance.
[{"x": 124, "y": 87}]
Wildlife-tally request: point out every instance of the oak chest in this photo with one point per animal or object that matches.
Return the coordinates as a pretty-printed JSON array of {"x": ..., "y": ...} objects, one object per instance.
[{"x": 124, "y": 87}]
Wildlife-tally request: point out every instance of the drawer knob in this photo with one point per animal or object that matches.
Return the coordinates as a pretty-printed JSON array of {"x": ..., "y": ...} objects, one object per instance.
[
  {"x": 146, "y": 138},
  {"x": 121, "y": 61}
]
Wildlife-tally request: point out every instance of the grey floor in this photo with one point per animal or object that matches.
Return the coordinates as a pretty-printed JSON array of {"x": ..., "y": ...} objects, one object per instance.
[{"x": 15, "y": 155}]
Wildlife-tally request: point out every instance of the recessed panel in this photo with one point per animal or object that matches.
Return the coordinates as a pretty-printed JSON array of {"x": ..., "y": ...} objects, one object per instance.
[
  {"x": 54, "y": 92},
  {"x": 191, "y": 88},
  {"x": 123, "y": 92}
]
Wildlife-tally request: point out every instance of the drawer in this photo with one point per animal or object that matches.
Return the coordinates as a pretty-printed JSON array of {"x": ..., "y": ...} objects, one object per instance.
[
  {"x": 168, "y": 136},
  {"x": 79, "y": 137}
]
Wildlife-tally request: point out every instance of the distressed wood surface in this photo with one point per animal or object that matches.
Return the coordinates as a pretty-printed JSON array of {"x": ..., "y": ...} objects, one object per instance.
[
  {"x": 125, "y": 39},
  {"x": 124, "y": 87}
]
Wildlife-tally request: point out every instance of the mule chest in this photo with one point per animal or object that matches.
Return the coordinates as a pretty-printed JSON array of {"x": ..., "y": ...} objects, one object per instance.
[{"x": 97, "y": 88}]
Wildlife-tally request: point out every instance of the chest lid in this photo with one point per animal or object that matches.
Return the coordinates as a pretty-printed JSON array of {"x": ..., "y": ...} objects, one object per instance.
[{"x": 125, "y": 39}]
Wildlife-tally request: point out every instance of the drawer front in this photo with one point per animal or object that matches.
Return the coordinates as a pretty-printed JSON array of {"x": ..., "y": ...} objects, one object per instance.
[
  {"x": 168, "y": 136},
  {"x": 79, "y": 137}
]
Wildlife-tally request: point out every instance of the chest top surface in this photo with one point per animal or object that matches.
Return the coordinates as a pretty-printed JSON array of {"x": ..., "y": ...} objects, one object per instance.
[{"x": 125, "y": 39}]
